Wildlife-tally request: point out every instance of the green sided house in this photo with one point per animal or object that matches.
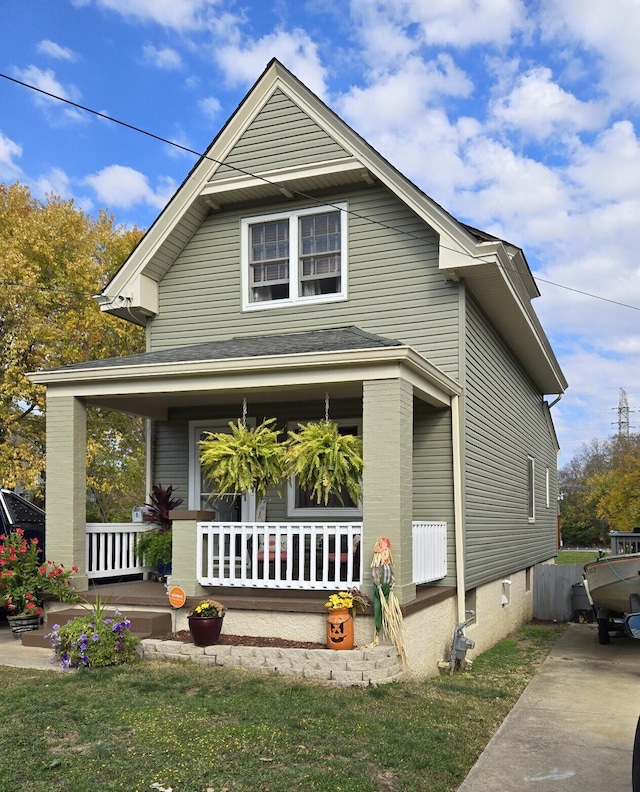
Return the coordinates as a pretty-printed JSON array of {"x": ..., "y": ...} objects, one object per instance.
[{"x": 296, "y": 272}]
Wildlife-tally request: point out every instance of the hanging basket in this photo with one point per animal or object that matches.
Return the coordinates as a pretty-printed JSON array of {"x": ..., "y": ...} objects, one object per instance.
[{"x": 326, "y": 462}]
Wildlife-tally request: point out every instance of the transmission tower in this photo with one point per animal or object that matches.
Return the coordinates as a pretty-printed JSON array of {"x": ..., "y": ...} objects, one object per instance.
[{"x": 623, "y": 414}]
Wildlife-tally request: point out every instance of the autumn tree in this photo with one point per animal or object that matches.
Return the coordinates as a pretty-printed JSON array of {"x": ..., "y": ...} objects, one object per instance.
[
  {"x": 53, "y": 258},
  {"x": 600, "y": 489}
]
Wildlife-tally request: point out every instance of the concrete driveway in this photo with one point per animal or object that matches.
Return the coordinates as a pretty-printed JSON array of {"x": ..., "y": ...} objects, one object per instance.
[{"x": 572, "y": 729}]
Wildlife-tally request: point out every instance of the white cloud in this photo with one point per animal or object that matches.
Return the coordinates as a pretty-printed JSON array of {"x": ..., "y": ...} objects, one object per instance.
[
  {"x": 45, "y": 80},
  {"x": 608, "y": 169},
  {"x": 123, "y": 187},
  {"x": 458, "y": 23},
  {"x": 53, "y": 50},
  {"x": 540, "y": 108},
  {"x": 243, "y": 62},
  {"x": 398, "y": 100},
  {"x": 55, "y": 181},
  {"x": 9, "y": 151},
  {"x": 181, "y": 15},
  {"x": 609, "y": 32},
  {"x": 162, "y": 57},
  {"x": 210, "y": 106}
]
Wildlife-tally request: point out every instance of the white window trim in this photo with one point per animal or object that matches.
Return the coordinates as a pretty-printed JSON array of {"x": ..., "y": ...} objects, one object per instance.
[
  {"x": 321, "y": 511},
  {"x": 547, "y": 488},
  {"x": 294, "y": 236},
  {"x": 531, "y": 489},
  {"x": 195, "y": 429}
]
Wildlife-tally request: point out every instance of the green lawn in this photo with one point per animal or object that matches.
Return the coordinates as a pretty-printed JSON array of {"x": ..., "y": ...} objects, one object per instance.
[
  {"x": 205, "y": 729},
  {"x": 575, "y": 557}
]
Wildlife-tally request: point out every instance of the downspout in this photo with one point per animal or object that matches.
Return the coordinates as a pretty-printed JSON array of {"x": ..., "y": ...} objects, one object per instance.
[
  {"x": 456, "y": 442},
  {"x": 556, "y": 400}
]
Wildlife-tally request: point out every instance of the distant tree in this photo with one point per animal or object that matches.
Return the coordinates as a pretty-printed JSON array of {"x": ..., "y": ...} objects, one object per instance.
[
  {"x": 600, "y": 490},
  {"x": 616, "y": 492},
  {"x": 580, "y": 523},
  {"x": 54, "y": 257}
]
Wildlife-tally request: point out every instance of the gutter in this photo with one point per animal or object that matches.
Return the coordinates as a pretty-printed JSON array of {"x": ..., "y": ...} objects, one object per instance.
[{"x": 457, "y": 506}]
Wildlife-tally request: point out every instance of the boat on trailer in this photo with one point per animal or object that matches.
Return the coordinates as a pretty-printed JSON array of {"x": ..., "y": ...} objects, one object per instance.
[{"x": 613, "y": 586}]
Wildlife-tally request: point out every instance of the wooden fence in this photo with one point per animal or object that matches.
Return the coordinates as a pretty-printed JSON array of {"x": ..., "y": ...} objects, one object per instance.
[{"x": 554, "y": 597}]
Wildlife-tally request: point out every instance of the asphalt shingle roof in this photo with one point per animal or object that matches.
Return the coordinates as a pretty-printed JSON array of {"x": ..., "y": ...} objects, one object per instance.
[{"x": 331, "y": 340}]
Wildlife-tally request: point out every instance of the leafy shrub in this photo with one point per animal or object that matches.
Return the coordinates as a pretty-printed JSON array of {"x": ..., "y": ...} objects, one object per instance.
[{"x": 95, "y": 640}]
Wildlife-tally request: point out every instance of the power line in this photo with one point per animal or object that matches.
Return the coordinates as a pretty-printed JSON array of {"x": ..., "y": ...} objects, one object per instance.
[{"x": 301, "y": 194}]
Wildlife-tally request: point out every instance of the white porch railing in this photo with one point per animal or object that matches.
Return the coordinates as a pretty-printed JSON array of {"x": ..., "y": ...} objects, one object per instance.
[
  {"x": 429, "y": 551},
  {"x": 307, "y": 556},
  {"x": 111, "y": 549},
  {"x": 297, "y": 555}
]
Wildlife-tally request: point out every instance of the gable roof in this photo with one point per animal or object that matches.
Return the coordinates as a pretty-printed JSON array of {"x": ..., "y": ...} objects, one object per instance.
[{"x": 495, "y": 271}]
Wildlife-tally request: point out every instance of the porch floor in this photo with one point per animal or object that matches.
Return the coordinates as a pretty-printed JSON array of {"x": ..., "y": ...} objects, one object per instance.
[{"x": 148, "y": 593}]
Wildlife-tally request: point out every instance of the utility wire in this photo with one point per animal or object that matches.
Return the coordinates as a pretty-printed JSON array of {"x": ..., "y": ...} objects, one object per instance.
[{"x": 299, "y": 193}]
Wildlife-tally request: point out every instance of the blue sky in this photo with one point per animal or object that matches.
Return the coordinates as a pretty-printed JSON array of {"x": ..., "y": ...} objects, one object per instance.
[{"x": 520, "y": 118}]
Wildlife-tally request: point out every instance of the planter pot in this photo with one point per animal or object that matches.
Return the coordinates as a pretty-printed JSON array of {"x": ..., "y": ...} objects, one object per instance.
[
  {"x": 205, "y": 629},
  {"x": 340, "y": 629},
  {"x": 22, "y": 624}
]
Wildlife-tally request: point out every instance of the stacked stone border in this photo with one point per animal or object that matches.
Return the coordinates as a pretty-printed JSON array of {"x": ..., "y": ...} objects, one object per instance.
[{"x": 377, "y": 665}]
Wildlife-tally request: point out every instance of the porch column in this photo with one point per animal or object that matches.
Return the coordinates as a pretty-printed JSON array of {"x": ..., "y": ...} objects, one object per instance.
[
  {"x": 66, "y": 485},
  {"x": 184, "y": 525},
  {"x": 387, "y": 420}
]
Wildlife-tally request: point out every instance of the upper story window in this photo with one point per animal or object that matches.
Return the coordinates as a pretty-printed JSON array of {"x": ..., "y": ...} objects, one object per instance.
[
  {"x": 294, "y": 257},
  {"x": 531, "y": 489}
]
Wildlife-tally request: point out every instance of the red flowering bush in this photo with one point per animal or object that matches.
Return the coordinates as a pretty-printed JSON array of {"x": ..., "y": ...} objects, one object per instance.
[{"x": 25, "y": 581}]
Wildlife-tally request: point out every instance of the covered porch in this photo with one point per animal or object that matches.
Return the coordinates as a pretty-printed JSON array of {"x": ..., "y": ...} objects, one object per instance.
[{"x": 385, "y": 379}]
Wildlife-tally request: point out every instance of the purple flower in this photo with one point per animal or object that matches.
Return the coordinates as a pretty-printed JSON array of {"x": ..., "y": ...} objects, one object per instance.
[{"x": 95, "y": 637}]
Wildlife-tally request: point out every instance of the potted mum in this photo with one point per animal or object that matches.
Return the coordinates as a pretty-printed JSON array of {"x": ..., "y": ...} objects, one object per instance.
[
  {"x": 205, "y": 622},
  {"x": 26, "y": 582}
]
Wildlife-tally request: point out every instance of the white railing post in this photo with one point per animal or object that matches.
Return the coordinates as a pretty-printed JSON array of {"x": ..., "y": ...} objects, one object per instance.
[{"x": 111, "y": 550}]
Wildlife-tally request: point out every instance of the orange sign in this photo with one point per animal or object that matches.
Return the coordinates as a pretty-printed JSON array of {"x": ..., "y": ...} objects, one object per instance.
[{"x": 177, "y": 596}]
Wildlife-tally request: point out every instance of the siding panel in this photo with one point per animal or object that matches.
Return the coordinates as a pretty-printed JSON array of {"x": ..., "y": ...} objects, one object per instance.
[
  {"x": 265, "y": 146},
  {"x": 395, "y": 288},
  {"x": 505, "y": 423}
]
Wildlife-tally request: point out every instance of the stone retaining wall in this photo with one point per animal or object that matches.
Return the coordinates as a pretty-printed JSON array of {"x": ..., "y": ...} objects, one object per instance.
[{"x": 376, "y": 665}]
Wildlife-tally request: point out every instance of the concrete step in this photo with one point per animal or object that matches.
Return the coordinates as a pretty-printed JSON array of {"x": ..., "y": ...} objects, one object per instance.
[{"x": 144, "y": 624}]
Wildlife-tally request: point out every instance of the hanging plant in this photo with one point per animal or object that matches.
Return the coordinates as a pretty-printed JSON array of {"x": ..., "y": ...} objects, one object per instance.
[
  {"x": 326, "y": 462},
  {"x": 248, "y": 459}
]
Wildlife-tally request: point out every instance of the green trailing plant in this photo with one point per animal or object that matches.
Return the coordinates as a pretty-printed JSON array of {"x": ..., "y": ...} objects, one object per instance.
[
  {"x": 248, "y": 459},
  {"x": 155, "y": 547},
  {"x": 325, "y": 462},
  {"x": 99, "y": 638}
]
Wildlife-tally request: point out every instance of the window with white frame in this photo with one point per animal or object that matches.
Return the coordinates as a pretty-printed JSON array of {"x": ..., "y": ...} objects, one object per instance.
[
  {"x": 294, "y": 257},
  {"x": 531, "y": 495},
  {"x": 299, "y": 500},
  {"x": 547, "y": 488}
]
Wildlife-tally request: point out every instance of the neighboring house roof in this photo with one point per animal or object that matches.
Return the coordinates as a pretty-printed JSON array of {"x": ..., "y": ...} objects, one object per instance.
[{"x": 495, "y": 271}]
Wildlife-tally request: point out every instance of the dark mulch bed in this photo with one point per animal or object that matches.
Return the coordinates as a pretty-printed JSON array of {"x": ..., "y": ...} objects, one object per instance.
[{"x": 248, "y": 640}]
